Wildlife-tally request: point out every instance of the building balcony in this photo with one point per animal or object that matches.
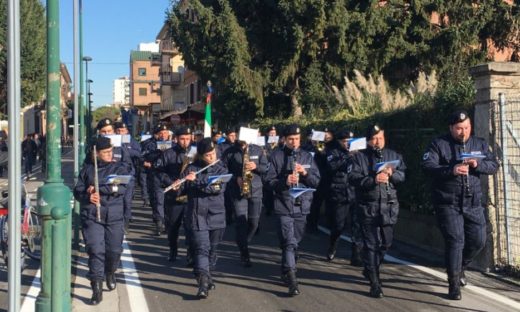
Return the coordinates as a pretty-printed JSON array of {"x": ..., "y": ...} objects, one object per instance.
[
  {"x": 168, "y": 47},
  {"x": 171, "y": 79}
]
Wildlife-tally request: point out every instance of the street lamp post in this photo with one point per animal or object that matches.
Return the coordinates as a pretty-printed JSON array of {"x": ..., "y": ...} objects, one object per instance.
[
  {"x": 54, "y": 197},
  {"x": 85, "y": 114},
  {"x": 89, "y": 116}
]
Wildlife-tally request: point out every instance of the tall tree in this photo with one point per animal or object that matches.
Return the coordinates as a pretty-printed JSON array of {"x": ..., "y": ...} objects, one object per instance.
[
  {"x": 33, "y": 51},
  {"x": 269, "y": 56}
]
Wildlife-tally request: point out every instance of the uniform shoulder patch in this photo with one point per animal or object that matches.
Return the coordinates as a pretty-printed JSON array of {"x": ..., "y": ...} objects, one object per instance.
[
  {"x": 349, "y": 169},
  {"x": 426, "y": 156},
  {"x": 330, "y": 157}
]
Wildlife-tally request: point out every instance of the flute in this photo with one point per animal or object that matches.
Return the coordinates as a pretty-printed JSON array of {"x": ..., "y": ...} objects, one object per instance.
[
  {"x": 96, "y": 186},
  {"x": 176, "y": 185}
]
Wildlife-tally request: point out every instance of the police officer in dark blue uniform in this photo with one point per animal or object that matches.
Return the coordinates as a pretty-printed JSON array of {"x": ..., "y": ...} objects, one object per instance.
[
  {"x": 107, "y": 127},
  {"x": 143, "y": 172},
  {"x": 151, "y": 153},
  {"x": 456, "y": 162},
  {"x": 268, "y": 196},
  {"x": 134, "y": 150},
  {"x": 231, "y": 137},
  {"x": 104, "y": 237},
  {"x": 172, "y": 163},
  {"x": 341, "y": 200},
  {"x": 291, "y": 167},
  {"x": 319, "y": 149},
  {"x": 377, "y": 201},
  {"x": 246, "y": 192},
  {"x": 206, "y": 214}
]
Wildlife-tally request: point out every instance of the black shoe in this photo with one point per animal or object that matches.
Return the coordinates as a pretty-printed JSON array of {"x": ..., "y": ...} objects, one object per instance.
[
  {"x": 331, "y": 253},
  {"x": 211, "y": 285},
  {"x": 203, "y": 291},
  {"x": 463, "y": 281},
  {"x": 292, "y": 283},
  {"x": 172, "y": 257},
  {"x": 375, "y": 285},
  {"x": 158, "y": 228},
  {"x": 111, "y": 281},
  {"x": 244, "y": 258},
  {"x": 454, "y": 288},
  {"x": 97, "y": 292}
]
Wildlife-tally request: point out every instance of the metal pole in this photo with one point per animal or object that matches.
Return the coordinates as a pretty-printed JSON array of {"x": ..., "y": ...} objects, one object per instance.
[
  {"x": 77, "y": 64},
  {"x": 15, "y": 168},
  {"x": 54, "y": 197},
  {"x": 82, "y": 137},
  {"x": 505, "y": 170}
]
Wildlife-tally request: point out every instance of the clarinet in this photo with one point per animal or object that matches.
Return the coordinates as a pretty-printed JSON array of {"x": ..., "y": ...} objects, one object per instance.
[
  {"x": 379, "y": 156},
  {"x": 297, "y": 201},
  {"x": 465, "y": 182}
]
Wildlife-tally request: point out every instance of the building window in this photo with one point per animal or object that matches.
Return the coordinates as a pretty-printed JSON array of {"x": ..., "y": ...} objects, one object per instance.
[
  {"x": 199, "y": 90},
  {"x": 141, "y": 71},
  {"x": 143, "y": 91}
]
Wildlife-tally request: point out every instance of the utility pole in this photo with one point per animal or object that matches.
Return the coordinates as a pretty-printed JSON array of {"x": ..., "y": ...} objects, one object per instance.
[
  {"x": 15, "y": 153},
  {"x": 54, "y": 197}
]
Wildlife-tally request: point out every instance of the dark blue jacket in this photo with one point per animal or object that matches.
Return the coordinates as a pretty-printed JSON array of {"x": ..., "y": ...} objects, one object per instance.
[
  {"x": 280, "y": 166},
  {"x": 111, "y": 203},
  {"x": 134, "y": 149},
  {"x": 233, "y": 157},
  {"x": 206, "y": 210},
  {"x": 337, "y": 161},
  {"x": 376, "y": 200},
  {"x": 222, "y": 147},
  {"x": 438, "y": 162}
]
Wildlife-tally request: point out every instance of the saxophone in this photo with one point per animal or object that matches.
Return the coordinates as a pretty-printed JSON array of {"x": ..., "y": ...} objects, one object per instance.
[
  {"x": 247, "y": 176},
  {"x": 185, "y": 162}
]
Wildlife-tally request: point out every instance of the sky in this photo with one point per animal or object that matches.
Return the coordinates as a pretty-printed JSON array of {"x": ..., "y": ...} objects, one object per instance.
[{"x": 111, "y": 29}]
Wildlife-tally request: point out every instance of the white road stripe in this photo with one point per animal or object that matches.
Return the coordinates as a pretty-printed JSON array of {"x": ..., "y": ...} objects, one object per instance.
[
  {"x": 133, "y": 285},
  {"x": 29, "y": 302},
  {"x": 479, "y": 290}
]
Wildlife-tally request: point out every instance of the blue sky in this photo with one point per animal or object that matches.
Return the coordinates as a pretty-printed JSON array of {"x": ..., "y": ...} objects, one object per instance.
[{"x": 112, "y": 28}]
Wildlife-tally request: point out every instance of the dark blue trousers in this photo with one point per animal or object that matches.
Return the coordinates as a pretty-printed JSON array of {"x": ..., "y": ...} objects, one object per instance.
[
  {"x": 377, "y": 239},
  {"x": 464, "y": 236},
  {"x": 290, "y": 232},
  {"x": 104, "y": 244},
  {"x": 156, "y": 197},
  {"x": 127, "y": 200},
  {"x": 337, "y": 215},
  {"x": 205, "y": 244},
  {"x": 174, "y": 215},
  {"x": 144, "y": 185},
  {"x": 247, "y": 216}
]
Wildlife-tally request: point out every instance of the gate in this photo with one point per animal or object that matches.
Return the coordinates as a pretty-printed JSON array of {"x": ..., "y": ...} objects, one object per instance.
[{"x": 506, "y": 137}]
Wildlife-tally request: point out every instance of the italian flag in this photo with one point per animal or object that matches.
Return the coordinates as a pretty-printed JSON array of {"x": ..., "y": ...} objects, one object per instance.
[{"x": 207, "y": 117}]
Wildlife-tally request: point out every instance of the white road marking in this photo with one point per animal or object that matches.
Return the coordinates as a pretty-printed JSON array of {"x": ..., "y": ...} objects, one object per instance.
[
  {"x": 479, "y": 290},
  {"x": 133, "y": 285}
]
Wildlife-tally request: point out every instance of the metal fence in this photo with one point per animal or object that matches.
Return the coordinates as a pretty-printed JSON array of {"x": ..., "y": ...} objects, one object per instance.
[{"x": 506, "y": 183}]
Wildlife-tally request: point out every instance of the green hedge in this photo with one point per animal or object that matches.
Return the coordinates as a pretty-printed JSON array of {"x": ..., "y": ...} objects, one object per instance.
[{"x": 408, "y": 131}]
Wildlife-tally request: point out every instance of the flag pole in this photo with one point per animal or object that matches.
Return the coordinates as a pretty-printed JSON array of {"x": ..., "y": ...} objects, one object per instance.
[{"x": 207, "y": 117}]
